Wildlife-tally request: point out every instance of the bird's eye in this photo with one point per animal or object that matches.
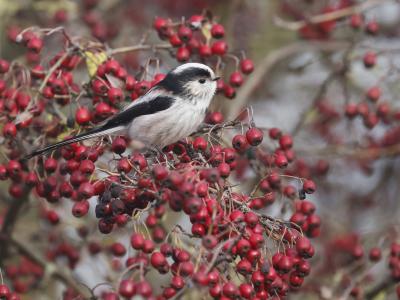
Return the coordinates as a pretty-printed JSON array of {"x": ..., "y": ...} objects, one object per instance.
[{"x": 202, "y": 81}]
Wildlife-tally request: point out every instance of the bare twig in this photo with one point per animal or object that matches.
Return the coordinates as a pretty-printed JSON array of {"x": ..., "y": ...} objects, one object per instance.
[
  {"x": 139, "y": 47},
  {"x": 9, "y": 221}
]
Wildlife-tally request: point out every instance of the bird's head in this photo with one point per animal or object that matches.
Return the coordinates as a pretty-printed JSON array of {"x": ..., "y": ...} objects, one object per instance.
[{"x": 192, "y": 80}]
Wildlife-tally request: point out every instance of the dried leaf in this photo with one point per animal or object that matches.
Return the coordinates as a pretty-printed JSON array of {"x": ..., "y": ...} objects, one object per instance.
[{"x": 94, "y": 60}]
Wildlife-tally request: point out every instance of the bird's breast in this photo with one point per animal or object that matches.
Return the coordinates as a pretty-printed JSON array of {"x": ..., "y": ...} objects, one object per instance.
[{"x": 169, "y": 126}]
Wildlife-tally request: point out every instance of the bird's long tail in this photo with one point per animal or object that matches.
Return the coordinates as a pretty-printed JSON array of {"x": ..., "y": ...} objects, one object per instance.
[{"x": 95, "y": 132}]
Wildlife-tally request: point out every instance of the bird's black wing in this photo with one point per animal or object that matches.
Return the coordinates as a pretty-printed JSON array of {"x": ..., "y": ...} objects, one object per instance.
[
  {"x": 116, "y": 122},
  {"x": 152, "y": 106}
]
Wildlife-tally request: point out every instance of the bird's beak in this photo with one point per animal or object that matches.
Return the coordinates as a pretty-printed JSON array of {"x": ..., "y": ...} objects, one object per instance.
[{"x": 216, "y": 78}]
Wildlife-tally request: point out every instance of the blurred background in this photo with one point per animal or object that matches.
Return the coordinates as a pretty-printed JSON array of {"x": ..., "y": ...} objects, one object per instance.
[{"x": 309, "y": 74}]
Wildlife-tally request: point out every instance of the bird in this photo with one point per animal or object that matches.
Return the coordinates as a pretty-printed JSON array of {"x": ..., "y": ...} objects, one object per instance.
[{"x": 171, "y": 110}]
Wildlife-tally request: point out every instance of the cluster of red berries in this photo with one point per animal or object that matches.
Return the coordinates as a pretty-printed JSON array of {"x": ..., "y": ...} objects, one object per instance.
[
  {"x": 194, "y": 177},
  {"x": 394, "y": 261},
  {"x": 6, "y": 293},
  {"x": 24, "y": 275},
  {"x": 202, "y": 38},
  {"x": 325, "y": 29}
]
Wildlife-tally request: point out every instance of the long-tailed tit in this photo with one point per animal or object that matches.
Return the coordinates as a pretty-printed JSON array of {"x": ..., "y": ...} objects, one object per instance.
[{"x": 171, "y": 110}]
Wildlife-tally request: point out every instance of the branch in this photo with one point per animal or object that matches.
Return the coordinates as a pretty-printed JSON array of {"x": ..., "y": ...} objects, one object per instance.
[
  {"x": 9, "y": 221},
  {"x": 334, "y": 15},
  {"x": 139, "y": 47},
  {"x": 387, "y": 283},
  {"x": 266, "y": 65}
]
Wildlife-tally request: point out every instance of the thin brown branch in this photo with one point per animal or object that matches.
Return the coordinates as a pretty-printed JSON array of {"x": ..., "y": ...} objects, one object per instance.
[
  {"x": 386, "y": 284},
  {"x": 330, "y": 16},
  {"x": 139, "y": 47},
  {"x": 9, "y": 221}
]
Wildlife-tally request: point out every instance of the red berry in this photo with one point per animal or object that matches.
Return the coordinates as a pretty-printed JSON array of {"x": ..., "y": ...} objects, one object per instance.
[
  {"x": 219, "y": 48},
  {"x": 246, "y": 66},
  {"x": 175, "y": 41},
  {"x": 209, "y": 241},
  {"x": 239, "y": 143},
  {"x": 281, "y": 161},
  {"x": 285, "y": 264},
  {"x": 236, "y": 79},
  {"x": 356, "y": 21},
  {"x": 254, "y": 136},
  {"x": 217, "y": 31},
  {"x": 80, "y": 208},
  {"x": 274, "y": 133},
  {"x": 4, "y": 66},
  {"x": 224, "y": 170},
  {"x": 200, "y": 144},
  {"x": 184, "y": 33},
  {"x": 115, "y": 95},
  {"x": 82, "y": 116},
  {"x": 205, "y": 51},
  {"x": 35, "y": 44},
  {"x": 127, "y": 288},
  {"x": 369, "y": 59},
  {"x": 86, "y": 190},
  {"x": 4, "y": 291},
  {"x": 160, "y": 24},
  {"x": 229, "y": 91},
  {"x": 50, "y": 165},
  {"x": 9, "y": 130},
  {"x": 374, "y": 93},
  {"x": 177, "y": 282},
  {"x": 182, "y": 54},
  {"x": 309, "y": 186},
  {"x": 286, "y": 142},
  {"x": 118, "y": 145},
  {"x": 160, "y": 172},
  {"x": 372, "y": 27},
  {"x": 351, "y": 110},
  {"x": 375, "y": 254},
  {"x": 158, "y": 260},
  {"x": 246, "y": 290},
  {"x": 137, "y": 241},
  {"x": 215, "y": 118},
  {"x": 118, "y": 249}
]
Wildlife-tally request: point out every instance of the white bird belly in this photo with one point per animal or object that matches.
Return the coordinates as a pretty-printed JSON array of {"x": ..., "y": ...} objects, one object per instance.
[{"x": 167, "y": 127}]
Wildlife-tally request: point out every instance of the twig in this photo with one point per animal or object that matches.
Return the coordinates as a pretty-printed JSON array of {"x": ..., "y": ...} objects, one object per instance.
[
  {"x": 138, "y": 48},
  {"x": 387, "y": 283},
  {"x": 9, "y": 221},
  {"x": 334, "y": 15}
]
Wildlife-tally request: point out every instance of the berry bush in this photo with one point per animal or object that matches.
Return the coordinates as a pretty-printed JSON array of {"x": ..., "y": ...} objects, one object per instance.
[{"x": 287, "y": 191}]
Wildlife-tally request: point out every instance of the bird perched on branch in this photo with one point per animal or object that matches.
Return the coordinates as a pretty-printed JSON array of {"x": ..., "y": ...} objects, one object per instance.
[{"x": 171, "y": 110}]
